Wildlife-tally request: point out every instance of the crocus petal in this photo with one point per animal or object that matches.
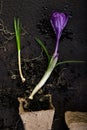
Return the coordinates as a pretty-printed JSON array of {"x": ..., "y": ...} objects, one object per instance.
[{"x": 58, "y": 22}]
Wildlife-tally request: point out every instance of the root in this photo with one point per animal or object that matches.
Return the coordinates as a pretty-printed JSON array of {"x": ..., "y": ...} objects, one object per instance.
[
  {"x": 35, "y": 58},
  {"x": 7, "y": 35}
]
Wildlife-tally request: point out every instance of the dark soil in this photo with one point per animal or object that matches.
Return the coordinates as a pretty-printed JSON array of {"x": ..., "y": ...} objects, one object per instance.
[{"x": 68, "y": 82}]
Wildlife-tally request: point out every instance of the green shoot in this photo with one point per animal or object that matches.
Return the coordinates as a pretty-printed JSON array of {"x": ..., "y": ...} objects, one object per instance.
[
  {"x": 43, "y": 47},
  {"x": 17, "y": 29},
  {"x": 17, "y": 32}
]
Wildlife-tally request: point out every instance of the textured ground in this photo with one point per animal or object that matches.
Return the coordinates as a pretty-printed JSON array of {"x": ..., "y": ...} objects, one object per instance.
[{"x": 68, "y": 82}]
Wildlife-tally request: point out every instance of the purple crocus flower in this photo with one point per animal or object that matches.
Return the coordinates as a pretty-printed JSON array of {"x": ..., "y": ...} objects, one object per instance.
[{"x": 58, "y": 22}]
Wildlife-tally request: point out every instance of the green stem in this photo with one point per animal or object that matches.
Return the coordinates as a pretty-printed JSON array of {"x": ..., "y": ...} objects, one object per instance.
[
  {"x": 46, "y": 75},
  {"x": 19, "y": 65}
]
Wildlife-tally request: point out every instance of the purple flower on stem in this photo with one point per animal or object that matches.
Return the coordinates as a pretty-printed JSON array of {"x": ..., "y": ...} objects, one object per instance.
[{"x": 58, "y": 21}]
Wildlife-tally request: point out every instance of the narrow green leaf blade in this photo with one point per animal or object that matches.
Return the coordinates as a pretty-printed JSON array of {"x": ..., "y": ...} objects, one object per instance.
[
  {"x": 43, "y": 47},
  {"x": 17, "y": 32},
  {"x": 71, "y": 61}
]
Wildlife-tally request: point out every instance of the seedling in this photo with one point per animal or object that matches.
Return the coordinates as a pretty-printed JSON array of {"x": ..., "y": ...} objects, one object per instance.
[
  {"x": 58, "y": 22},
  {"x": 17, "y": 28}
]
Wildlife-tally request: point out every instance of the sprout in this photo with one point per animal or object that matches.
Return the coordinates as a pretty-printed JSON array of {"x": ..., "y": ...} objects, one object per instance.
[
  {"x": 58, "y": 22},
  {"x": 17, "y": 33}
]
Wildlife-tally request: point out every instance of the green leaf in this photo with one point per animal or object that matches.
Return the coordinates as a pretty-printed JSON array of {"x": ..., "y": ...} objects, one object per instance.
[
  {"x": 17, "y": 32},
  {"x": 69, "y": 61},
  {"x": 43, "y": 47}
]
